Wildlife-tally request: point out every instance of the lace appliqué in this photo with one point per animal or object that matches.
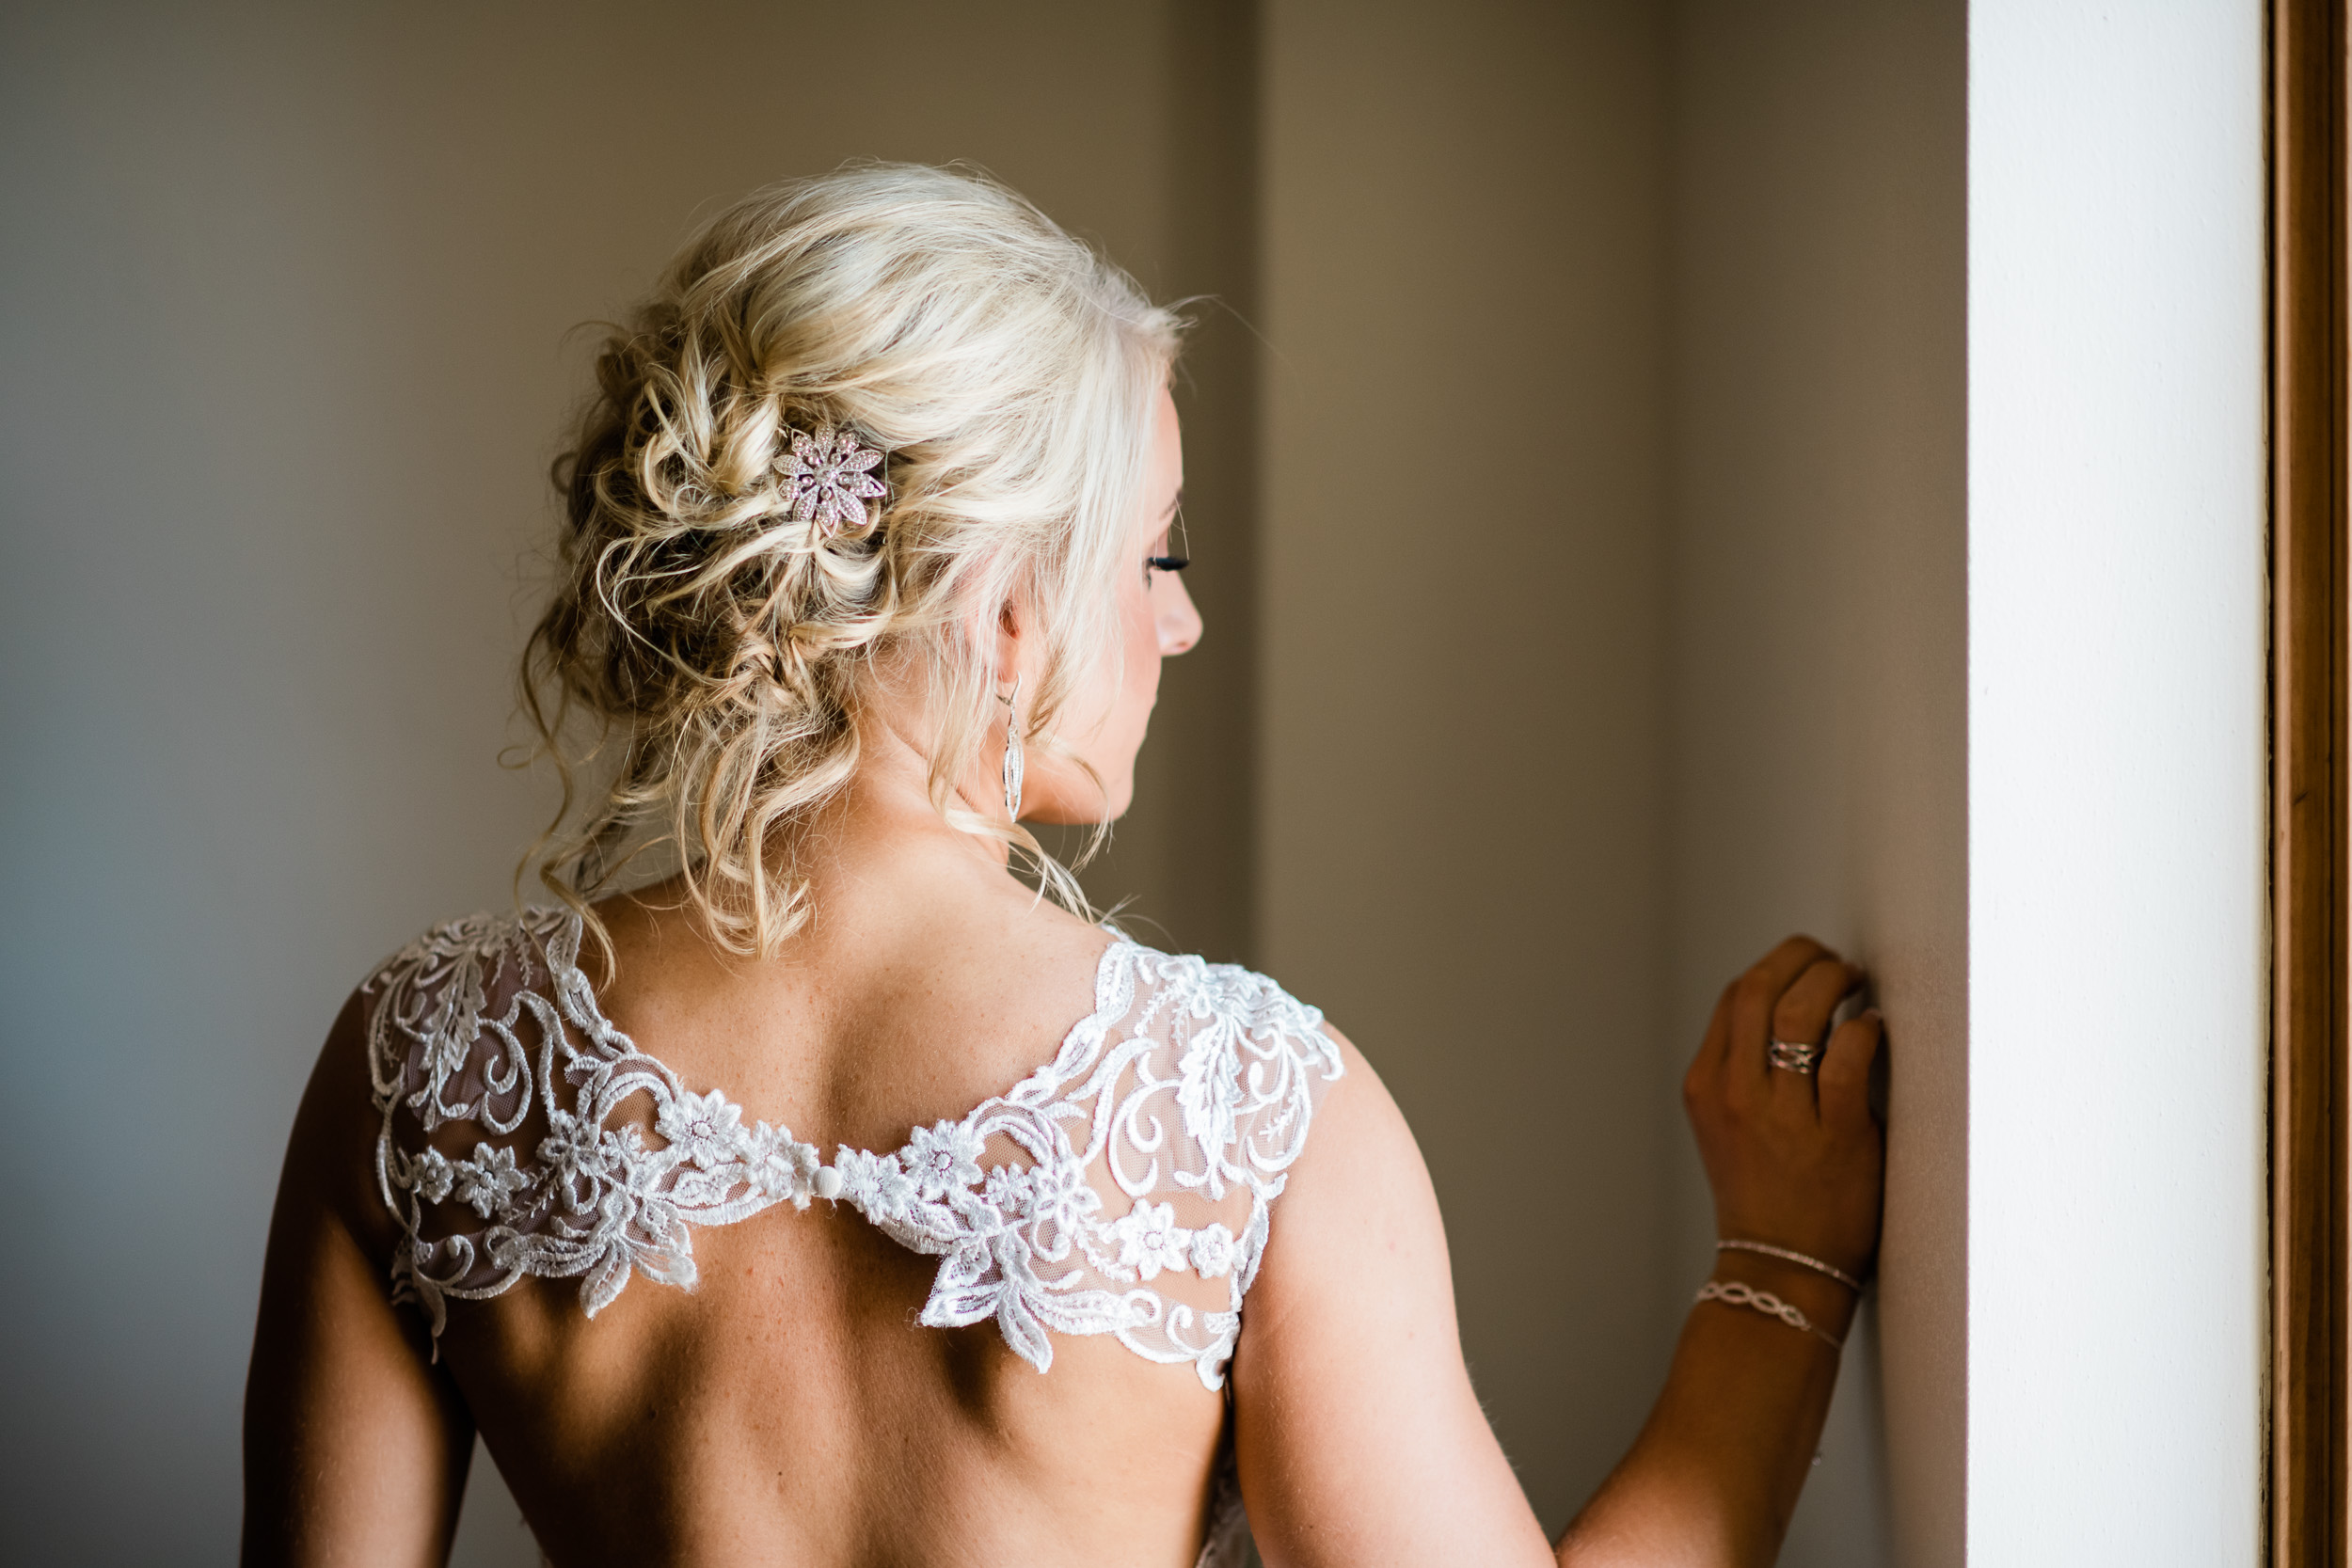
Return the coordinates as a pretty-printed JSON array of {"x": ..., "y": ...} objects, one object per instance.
[
  {"x": 1123, "y": 1189},
  {"x": 1189, "y": 1080},
  {"x": 593, "y": 1200}
]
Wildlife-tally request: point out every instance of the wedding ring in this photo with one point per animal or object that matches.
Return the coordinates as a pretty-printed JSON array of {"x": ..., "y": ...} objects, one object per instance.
[{"x": 1794, "y": 1055}]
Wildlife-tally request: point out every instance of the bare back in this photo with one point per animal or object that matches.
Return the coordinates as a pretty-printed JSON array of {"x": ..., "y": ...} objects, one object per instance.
[{"x": 859, "y": 1380}]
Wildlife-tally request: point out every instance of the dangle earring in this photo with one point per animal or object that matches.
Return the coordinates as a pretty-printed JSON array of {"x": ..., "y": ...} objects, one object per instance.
[{"x": 1012, "y": 752}]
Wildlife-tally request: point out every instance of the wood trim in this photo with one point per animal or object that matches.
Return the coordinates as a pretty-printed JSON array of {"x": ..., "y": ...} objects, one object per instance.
[{"x": 2309, "y": 828}]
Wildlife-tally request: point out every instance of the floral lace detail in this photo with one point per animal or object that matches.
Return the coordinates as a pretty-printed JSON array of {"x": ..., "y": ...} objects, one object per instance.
[
  {"x": 1031, "y": 1241},
  {"x": 592, "y": 1200},
  {"x": 1124, "y": 1188}
]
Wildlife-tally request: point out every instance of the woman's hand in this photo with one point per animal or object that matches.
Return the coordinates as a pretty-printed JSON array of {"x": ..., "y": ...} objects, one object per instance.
[{"x": 1795, "y": 1158}]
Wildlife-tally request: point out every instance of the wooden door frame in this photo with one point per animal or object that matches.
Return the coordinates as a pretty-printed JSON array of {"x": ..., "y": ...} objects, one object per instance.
[{"x": 2310, "y": 829}]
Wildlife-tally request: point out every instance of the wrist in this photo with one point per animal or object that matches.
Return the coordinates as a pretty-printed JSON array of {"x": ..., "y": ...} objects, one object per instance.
[
  {"x": 1848, "y": 1278},
  {"x": 1826, "y": 1304}
]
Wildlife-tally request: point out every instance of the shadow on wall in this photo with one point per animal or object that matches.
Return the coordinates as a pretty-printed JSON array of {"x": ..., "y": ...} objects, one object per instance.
[
  {"x": 1481, "y": 542},
  {"x": 1616, "y": 625}
]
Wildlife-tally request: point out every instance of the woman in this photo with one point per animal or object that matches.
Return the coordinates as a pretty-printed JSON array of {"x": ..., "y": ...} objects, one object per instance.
[{"x": 868, "y": 561}]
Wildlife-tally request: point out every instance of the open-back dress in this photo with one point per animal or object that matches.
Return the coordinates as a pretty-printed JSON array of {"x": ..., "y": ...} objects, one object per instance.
[{"x": 1123, "y": 1188}]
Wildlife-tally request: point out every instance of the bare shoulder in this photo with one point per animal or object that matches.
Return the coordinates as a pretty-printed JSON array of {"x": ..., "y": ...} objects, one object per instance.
[
  {"x": 1360, "y": 1189},
  {"x": 331, "y": 1153}
]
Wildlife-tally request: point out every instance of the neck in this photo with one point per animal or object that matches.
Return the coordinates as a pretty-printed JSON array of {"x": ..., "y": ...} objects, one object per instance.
[
  {"x": 887, "y": 802},
  {"x": 880, "y": 860}
]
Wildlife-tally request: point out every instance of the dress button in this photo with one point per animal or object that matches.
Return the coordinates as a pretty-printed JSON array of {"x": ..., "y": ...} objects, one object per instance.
[{"x": 828, "y": 1182}]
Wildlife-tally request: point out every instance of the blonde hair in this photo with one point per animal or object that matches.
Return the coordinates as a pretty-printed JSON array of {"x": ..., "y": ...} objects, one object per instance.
[{"x": 1009, "y": 374}]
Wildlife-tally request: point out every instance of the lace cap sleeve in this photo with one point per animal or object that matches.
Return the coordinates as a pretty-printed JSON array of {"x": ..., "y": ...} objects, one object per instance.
[
  {"x": 521, "y": 1133},
  {"x": 1126, "y": 1187}
]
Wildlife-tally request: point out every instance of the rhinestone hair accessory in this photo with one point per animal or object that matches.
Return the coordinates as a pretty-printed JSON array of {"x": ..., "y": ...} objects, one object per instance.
[{"x": 828, "y": 479}]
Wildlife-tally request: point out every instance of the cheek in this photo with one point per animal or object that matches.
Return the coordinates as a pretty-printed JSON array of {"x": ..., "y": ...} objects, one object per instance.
[
  {"x": 1142, "y": 656},
  {"x": 1115, "y": 704}
]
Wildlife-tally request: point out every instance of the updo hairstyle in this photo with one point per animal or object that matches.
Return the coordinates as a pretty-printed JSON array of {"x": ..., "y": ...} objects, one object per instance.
[{"x": 723, "y": 649}]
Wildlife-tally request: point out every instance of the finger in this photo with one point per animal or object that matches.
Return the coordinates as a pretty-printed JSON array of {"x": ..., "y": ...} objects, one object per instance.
[
  {"x": 1755, "y": 993},
  {"x": 1801, "y": 1014},
  {"x": 1845, "y": 1074}
]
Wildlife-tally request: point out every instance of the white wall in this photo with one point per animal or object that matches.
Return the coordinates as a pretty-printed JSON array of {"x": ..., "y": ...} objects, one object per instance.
[{"x": 2116, "y": 689}]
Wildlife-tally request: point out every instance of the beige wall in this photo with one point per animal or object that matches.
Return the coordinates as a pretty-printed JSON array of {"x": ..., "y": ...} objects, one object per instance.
[
  {"x": 1818, "y": 509},
  {"x": 1686, "y": 286},
  {"x": 1464, "y": 730}
]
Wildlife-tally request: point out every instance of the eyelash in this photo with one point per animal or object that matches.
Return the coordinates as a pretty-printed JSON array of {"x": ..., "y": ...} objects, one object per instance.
[{"x": 1164, "y": 563}]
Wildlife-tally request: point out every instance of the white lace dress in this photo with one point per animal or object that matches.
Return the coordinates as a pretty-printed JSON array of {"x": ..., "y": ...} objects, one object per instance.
[{"x": 1123, "y": 1188}]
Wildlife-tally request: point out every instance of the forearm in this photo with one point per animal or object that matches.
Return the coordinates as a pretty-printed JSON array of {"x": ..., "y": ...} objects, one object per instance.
[{"x": 1715, "y": 1474}]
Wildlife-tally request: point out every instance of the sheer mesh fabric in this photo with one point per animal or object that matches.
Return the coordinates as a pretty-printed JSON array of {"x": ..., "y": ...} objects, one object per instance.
[{"x": 1123, "y": 1188}]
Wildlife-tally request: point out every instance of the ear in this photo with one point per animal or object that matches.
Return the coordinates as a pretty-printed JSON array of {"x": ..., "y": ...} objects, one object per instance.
[{"x": 1011, "y": 644}]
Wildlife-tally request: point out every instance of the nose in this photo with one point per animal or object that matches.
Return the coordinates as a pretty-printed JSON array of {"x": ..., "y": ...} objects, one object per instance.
[{"x": 1178, "y": 620}]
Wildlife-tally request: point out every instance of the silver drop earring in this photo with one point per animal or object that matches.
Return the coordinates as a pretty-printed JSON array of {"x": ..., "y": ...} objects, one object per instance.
[{"x": 1012, "y": 752}]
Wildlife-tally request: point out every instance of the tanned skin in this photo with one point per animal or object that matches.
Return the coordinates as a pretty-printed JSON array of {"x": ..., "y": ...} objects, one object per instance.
[{"x": 789, "y": 1410}]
